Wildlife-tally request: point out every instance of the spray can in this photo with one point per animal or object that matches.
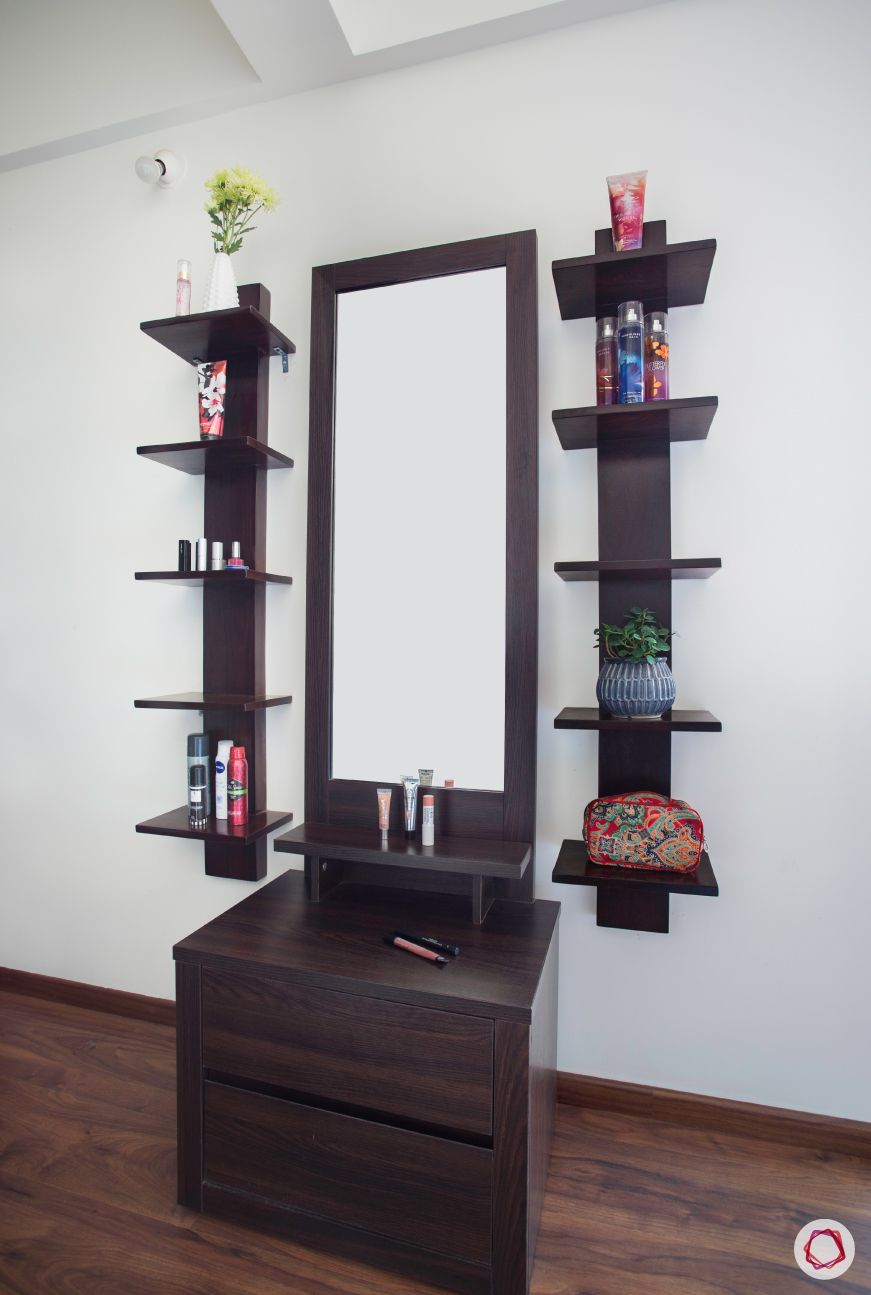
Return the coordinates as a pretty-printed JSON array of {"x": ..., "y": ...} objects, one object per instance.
[
  {"x": 222, "y": 759},
  {"x": 197, "y": 795},
  {"x": 606, "y": 361},
  {"x": 630, "y": 353},
  {"x": 198, "y": 753},
  {"x": 237, "y": 786},
  {"x": 656, "y": 355}
]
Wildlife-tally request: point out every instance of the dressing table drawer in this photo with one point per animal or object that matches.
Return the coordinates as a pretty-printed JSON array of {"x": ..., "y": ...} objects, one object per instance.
[
  {"x": 412, "y": 1063},
  {"x": 411, "y": 1187}
]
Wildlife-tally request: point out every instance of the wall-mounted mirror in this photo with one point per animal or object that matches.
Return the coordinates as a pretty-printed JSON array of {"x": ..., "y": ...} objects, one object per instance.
[
  {"x": 419, "y": 531},
  {"x": 421, "y": 646}
]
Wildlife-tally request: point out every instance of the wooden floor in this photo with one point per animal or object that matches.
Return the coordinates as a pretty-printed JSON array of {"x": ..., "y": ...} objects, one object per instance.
[{"x": 634, "y": 1207}]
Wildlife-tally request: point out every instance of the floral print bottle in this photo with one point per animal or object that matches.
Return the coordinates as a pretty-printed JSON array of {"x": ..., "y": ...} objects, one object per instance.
[
  {"x": 606, "y": 361},
  {"x": 630, "y": 356},
  {"x": 656, "y": 355}
]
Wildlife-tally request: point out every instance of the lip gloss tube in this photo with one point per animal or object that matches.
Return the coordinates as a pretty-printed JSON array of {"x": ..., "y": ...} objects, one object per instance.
[{"x": 417, "y": 949}]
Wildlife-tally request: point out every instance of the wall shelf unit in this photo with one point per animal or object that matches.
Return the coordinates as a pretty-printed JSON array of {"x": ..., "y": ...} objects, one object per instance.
[
  {"x": 678, "y": 420},
  {"x": 233, "y": 699},
  {"x": 660, "y": 274},
  {"x": 634, "y": 566}
]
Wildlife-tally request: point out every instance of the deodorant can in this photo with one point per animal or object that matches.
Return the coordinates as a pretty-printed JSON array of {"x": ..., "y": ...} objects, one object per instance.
[
  {"x": 198, "y": 753},
  {"x": 222, "y": 759},
  {"x": 630, "y": 353}
]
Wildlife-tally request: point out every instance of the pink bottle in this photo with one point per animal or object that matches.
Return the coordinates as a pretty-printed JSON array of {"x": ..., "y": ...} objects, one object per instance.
[{"x": 237, "y": 786}]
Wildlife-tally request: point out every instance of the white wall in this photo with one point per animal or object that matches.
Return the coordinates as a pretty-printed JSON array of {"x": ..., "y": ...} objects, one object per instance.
[{"x": 751, "y": 119}]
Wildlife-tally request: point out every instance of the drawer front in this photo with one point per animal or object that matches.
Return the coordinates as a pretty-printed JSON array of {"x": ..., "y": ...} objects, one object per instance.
[
  {"x": 411, "y": 1187},
  {"x": 411, "y": 1063}
]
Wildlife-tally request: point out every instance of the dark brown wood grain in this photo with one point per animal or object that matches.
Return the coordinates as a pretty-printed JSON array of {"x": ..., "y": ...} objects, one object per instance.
[
  {"x": 74, "y": 993},
  {"x": 498, "y": 858},
  {"x": 510, "y": 813},
  {"x": 687, "y": 419},
  {"x": 511, "y": 1260},
  {"x": 410, "y": 1187},
  {"x": 659, "y": 274},
  {"x": 189, "y": 1062},
  {"x": 625, "y": 570},
  {"x": 649, "y": 1190},
  {"x": 542, "y": 1092},
  {"x": 234, "y": 612},
  {"x": 412, "y": 1063},
  {"x": 278, "y": 933}
]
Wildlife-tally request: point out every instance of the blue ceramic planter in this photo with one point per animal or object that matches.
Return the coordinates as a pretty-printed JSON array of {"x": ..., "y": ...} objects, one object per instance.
[{"x": 636, "y": 689}]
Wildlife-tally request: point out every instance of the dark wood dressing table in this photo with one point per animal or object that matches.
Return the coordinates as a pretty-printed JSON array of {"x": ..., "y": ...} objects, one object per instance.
[
  {"x": 360, "y": 1099},
  {"x": 331, "y": 1087}
]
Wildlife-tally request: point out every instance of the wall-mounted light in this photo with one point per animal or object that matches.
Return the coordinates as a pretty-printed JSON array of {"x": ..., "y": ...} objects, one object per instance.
[{"x": 164, "y": 167}]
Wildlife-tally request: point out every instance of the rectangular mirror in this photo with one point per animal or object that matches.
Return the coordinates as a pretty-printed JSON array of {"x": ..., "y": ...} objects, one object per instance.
[{"x": 419, "y": 531}]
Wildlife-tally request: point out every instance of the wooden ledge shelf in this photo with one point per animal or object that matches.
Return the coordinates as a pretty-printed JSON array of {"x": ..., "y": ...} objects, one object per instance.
[
  {"x": 228, "y": 453},
  {"x": 688, "y": 419},
  {"x": 673, "y": 721},
  {"x": 241, "y": 704},
  {"x": 469, "y": 855},
  {"x": 335, "y": 855},
  {"x": 630, "y": 898},
  {"x": 640, "y": 568},
  {"x": 659, "y": 274},
  {"x": 218, "y": 334},
  {"x": 232, "y": 575},
  {"x": 176, "y": 823}
]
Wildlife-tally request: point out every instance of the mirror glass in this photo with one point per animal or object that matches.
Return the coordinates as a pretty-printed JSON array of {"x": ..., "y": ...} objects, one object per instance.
[{"x": 419, "y": 531}]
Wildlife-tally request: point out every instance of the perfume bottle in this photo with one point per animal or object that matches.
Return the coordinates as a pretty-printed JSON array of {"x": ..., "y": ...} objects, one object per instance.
[
  {"x": 656, "y": 355},
  {"x": 630, "y": 353},
  {"x": 606, "y": 361},
  {"x": 183, "y": 288}
]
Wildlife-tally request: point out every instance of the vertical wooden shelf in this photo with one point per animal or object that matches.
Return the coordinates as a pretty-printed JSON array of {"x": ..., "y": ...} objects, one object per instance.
[
  {"x": 635, "y": 565},
  {"x": 233, "y": 698}
]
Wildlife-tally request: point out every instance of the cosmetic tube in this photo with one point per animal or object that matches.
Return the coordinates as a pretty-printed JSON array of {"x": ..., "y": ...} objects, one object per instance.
[
  {"x": 427, "y": 821},
  {"x": 626, "y": 193},
  {"x": 183, "y": 288},
  {"x": 425, "y": 776},
  {"x": 384, "y": 794},
  {"x": 410, "y": 784},
  {"x": 630, "y": 353},
  {"x": 184, "y": 555},
  {"x": 202, "y": 555},
  {"x": 217, "y": 555}
]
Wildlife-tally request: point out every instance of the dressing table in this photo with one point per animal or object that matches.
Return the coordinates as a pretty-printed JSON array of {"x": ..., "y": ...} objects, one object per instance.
[{"x": 342, "y": 1092}]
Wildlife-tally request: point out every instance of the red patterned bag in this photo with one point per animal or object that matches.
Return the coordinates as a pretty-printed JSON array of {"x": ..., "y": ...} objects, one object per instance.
[{"x": 642, "y": 829}]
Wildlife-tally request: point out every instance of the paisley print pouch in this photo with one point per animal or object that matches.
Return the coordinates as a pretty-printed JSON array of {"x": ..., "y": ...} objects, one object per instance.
[{"x": 642, "y": 829}]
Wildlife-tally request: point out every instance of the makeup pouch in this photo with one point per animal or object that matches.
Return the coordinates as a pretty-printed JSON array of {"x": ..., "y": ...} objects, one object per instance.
[{"x": 641, "y": 829}]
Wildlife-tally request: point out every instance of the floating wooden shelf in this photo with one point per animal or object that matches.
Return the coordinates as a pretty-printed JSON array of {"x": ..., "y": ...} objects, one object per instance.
[
  {"x": 659, "y": 274},
  {"x": 631, "y": 898},
  {"x": 450, "y": 853},
  {"x": 176, "y": 823},
  {"x": 688, "y": 419},
  {"x": 673, "y": 721},
  {"x": 234, "y": 702},
  {"x": 225, "y": 454},
  {"x": 232, "y": 575},
  {"x": 635, "y": 568},
  {"x": 218, "y": 334},
  {"x": 335, "y": 855}
]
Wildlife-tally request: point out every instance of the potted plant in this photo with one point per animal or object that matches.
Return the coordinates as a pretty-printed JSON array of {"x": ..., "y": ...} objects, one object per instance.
[
  {"x": 235, "y": 198},
  {"x": 635, "y": 681}
]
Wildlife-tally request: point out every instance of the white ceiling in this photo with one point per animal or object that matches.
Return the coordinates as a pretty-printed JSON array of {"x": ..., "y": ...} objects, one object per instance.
[{"x": 75, "y": 74}]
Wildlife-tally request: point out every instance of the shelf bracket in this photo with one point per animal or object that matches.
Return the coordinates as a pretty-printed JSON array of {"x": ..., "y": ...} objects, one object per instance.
[{"x": 276, "y": 350}]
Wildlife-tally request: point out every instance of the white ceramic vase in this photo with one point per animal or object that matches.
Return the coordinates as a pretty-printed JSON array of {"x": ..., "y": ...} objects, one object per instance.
[{"x": 221, "y": 292}]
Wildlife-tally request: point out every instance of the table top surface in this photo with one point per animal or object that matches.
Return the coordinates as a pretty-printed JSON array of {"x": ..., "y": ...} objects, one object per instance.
[{"x": 338, "y": 944}]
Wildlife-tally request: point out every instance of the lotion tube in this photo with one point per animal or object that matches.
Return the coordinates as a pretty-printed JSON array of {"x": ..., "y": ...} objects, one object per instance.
[
  {"x": 427, "y": 822},
  {"x": 410, "y": 784}
]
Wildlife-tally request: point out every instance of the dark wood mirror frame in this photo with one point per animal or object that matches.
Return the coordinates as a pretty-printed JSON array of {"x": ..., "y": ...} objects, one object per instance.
[{"x": 500, "y": 816}]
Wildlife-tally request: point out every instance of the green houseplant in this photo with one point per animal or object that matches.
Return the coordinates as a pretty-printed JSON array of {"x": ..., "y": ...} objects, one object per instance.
[
  {"x": 236, "y": 196},
  {"x": 635, "y": 681}
]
